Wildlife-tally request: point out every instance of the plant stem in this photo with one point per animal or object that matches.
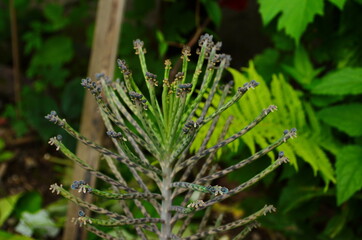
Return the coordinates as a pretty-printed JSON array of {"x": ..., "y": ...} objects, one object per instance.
[{"x": 166, "y": 203}]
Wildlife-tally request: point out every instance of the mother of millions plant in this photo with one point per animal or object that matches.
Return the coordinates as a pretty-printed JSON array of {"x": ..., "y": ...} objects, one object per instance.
[{"x": 152, "y": 139}]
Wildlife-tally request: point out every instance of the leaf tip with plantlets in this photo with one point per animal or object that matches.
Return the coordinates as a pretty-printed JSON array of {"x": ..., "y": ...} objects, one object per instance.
[
  {"x": 206, "y": 40},
  {"x": 122, "y": 65},
  {"x": 270, "y": 109},
  {"x": 55, "y": 141},
  {"x": 94, "y": 87},
  {"x": 281, "y": 158},
  {"x": 269, "y": 209},
  {"x": 186, "y": 53},
  {"x": 55, "y": 188},
  {"x": 82, "y": 220},
  {"x": 217, "y": 190},
  {"x": 152, "y": 78},
  {"x": 183, "y": 89},
  {"x": 138, "y": 46},
  {"x": 138, "y": 100},
  {"x": 289, "y": 134},
  {"x": 81, "y": 186},
  {"x": 197, "y": 204},
  {"x": 54, "y": 118}
]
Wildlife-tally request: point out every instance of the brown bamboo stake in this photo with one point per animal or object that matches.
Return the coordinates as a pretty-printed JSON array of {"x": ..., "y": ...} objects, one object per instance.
[{"x": 102, "y": 60}]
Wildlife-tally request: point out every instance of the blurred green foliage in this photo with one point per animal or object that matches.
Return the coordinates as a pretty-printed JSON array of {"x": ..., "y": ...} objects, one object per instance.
[
  {"x": 4, "y": 154},
  {"x": 51, "y": 44},
  {"x": 326, "y": 65},
  {"x": 315, "y": 45}
]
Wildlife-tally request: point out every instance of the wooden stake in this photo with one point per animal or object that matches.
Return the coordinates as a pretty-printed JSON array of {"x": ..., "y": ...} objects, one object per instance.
[{"x": 103, "y": 60}]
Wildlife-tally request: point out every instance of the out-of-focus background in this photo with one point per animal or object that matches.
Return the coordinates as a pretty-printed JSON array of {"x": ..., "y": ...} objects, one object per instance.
[{"x": 306, "y": 53}]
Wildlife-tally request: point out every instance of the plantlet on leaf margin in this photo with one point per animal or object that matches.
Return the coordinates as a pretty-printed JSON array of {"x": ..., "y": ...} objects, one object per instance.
[{"x": 145, "y": 130}]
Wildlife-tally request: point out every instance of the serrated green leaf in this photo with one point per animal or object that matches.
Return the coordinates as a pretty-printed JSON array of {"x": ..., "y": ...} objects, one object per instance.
[
  {"x": 295, "y": 15},
  {"x": 302, "y": 71},
  {"x": 338, "y": 3},
  {"x": 342, "y": 82},
  {"x": 347, "y": 118},
  {"x": 213, "y": 11},
  {"x": 323, "y": 134},
  {"x": 349, "y": 172}
]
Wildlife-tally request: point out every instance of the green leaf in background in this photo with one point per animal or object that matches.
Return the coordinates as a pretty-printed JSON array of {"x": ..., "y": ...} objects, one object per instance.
[
  {"x": 55, "y": 51},
  {"x": 35, "y": 108},
  {"x": 7, "y": 206},
  {"x": 30, "y": 202},
  {"x": 347, "y": 118},
  {"x": 302, "y": 71},
  {"x": 349, "y": 172},
  {"x": 19, "y": 125},
  {"x": 8, "y": 236},
  {"x": 295, "y": 15},
  {"x": 162, "y": 44},
  {"x": 4, "y": 155},
  {"x": 338, "y": 3},
  {"x": 21, "y": 3},
  {"x": 33, "y": 39},
  {"x": 341, "y": 82},
  {"x": 266, "y": 63},
  {"x": 54, "y": 14},
  {"x": 72, "y": 99},
  {"x": 282, "y": 42},
  {"x": 140, "y": 9},
  {"x": 54, "y": 75},
  {"x": 213, "y": 10},
  {"x": 337, "y": 223},
  {"x": 177, "y": 27},
  {"x": 325, "y": 100},
  {"x": 294, "y": 196}
]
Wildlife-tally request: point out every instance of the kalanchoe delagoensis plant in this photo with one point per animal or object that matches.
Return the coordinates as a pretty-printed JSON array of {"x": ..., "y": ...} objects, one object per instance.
[{"x": 152, "y": 136}]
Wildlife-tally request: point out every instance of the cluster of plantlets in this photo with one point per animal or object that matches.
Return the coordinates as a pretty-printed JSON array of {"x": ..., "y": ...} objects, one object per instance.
[{"x": 152, "y": 140}]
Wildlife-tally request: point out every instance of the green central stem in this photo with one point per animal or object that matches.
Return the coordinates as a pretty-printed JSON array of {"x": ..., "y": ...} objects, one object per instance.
[{"x": 166, "y": 228}]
